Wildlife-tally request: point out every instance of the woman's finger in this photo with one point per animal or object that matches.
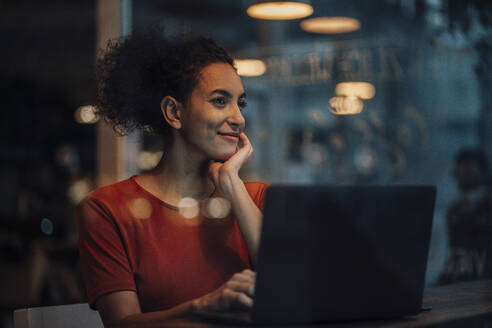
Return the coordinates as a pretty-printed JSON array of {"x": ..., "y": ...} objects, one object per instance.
[
  {"x": 213, "y": 171},
  {"x": 243, "y": 278},
  {"x": 245, "y": 275},
  {"x": 245, "y": 300},
  {"x": 245, "y": 287},
  {"x": 249, "y": 272},
  {"x": 237, "y": 300},
  {"x": 237, "y": 160}
]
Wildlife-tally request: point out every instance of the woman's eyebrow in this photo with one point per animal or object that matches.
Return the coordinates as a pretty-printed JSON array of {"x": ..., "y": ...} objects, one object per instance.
[
  {"x": 226, "y": 93},
  {"x": 222, "y": 92}
]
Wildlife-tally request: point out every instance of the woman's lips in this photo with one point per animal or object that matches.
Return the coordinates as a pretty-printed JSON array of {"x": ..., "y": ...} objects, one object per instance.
[{"x": 234, "y": 137}]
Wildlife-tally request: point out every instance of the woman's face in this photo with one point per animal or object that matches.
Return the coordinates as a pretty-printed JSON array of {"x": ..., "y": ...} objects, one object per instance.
[{"x": 212, "y": 118}]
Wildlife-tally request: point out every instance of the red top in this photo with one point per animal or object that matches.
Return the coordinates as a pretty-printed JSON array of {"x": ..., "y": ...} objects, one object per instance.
[{"x": 131, "y": 240}]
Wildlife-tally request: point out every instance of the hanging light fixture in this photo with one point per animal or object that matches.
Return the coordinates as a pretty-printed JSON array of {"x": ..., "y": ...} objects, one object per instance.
[
  {"x": 348, "y": 97},
  {"x": 279, "y": 10},
  {"x": 362, "y": 90},
  {"x": 346, "y": 105},
  {"x": 330, "y": 25},
  {"x": 250, "y": 67}
]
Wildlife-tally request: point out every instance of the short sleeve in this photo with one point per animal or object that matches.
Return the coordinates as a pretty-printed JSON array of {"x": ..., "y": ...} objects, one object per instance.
[
  {"x": 104, "y": 261},
  {"x": 257, "y": 191}
]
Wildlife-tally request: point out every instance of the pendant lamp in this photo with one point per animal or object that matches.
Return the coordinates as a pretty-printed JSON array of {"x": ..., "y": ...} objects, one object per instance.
[
  {"x": 279, "y": 10},
  {"x": 349, "y": 96},
  {"x": 330, "y": 25}
]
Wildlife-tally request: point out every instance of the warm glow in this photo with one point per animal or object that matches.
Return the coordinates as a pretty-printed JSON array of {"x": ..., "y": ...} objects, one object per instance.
[
  {"x": 141, "y": 208},
  {"x": 217, "y": 208},
  {"x": 250, "y": 67},
  {"x": 147, "y": 160},
  {"x": 362, "y": 90},
  {"x": 78, "y": 190},
  {"x": 348, "y": 105},
  {"x": 330, "y": 25},
  {"x": 365, "y": 160},
  {"x": 278, "y": 10},
  {"x": 86, "y": 115},
  {"x": 188, "y": 208}
]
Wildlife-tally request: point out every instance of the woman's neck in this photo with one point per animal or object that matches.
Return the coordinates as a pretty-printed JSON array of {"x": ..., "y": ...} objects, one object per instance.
[{"x": 180, "y": 173}]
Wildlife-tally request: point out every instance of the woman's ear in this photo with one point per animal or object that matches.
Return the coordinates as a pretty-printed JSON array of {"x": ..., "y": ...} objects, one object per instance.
[{"x": 171, "y": 110}]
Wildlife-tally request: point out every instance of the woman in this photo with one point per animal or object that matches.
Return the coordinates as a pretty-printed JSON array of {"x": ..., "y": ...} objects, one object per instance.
[{"x": 142, "y": 261}]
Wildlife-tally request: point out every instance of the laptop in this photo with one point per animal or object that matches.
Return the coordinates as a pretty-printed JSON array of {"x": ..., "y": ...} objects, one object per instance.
[{"x": 337, "y": 253}]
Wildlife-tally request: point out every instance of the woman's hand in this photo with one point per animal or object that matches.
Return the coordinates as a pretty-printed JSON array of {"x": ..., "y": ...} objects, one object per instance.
[
  {"x": 236, "y": 294},
  {"x": 224, "y": 175}
]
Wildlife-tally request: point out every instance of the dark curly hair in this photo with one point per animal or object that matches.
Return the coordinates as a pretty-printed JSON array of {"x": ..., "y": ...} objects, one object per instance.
[{"x": 136, "y": 72}]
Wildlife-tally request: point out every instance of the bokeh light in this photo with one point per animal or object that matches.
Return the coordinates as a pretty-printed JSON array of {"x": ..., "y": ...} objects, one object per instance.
[
  {"x": 362, "y": 90},
  {"x": 46, "y": 226},
  {"x": 330, "y": 25},
  {"x": 217, "y": 208},
  {"x": 337, "y": 141},
  {"x": 250, "y": 67},
  {"x": 188, "y": 207},
  {"x": 317, "y": 116},
  {"x": 78, "y": 189},
  {"x": 141, "y": 208},
  {"x": 365, "y": 160},
  {"x": 352, "y": 105},
  {"x": 86, "y": 115},
  {"x": 280, "y": 10},
  {"x": 316, "y": 154},
  {"x": 147, "y": 160},
  {"x": 67, "y": 157},
  {"x": 348, "y": 105}
]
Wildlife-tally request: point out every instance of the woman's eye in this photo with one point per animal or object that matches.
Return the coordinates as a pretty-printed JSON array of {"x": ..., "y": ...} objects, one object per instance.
[
  {"x": 219, "y": 101},
  {"x": 242, "y": 104}
]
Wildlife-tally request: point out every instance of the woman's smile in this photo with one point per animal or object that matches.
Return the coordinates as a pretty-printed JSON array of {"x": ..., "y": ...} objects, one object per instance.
[{"x": 229, "y": 136}]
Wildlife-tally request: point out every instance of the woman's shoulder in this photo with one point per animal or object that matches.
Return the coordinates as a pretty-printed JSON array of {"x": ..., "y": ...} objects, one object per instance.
[
  {"x": 256, "y": 190},
  {"x": 111, "y": 196},
  {"x": 124, "y": 188},
  {"x": 108, "y": 202}
]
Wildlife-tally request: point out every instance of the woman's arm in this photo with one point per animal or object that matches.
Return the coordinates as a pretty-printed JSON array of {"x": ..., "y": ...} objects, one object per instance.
[
  {"x": 248, "y": 216},
  {"x": 122, "y": 308},
  {"x": 226, "y": 178}
]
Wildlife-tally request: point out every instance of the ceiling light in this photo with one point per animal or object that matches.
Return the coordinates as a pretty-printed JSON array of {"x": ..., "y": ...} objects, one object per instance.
[
  {"x": 362, "y": 90},
  {"x": 250, "y": 67},
  {"x": 280, "y": 10},
  {"x": 330, "y": 25},
  {"x": 346, "y": 105}
]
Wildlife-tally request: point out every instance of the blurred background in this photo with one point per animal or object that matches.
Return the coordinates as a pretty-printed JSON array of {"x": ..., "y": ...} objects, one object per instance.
[{"x": 390, "y": 92}]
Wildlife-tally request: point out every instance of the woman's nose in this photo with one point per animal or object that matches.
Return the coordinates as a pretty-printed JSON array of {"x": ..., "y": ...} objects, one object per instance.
[{"x": 237, "y": 119}]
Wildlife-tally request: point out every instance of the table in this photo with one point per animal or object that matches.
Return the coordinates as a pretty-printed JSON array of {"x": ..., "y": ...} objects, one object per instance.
[{"x": 467, "y": 304}]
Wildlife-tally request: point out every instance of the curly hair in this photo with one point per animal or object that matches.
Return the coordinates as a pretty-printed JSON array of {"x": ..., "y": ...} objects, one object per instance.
[{"x": 138, "y": 71}]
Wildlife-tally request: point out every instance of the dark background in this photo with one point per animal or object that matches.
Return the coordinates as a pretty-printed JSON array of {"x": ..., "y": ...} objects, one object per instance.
[{"x": 48, "y": 159}]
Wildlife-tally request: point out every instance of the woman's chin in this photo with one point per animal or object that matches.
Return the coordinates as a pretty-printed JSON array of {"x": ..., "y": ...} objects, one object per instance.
[{"x": 224, "y": 156}]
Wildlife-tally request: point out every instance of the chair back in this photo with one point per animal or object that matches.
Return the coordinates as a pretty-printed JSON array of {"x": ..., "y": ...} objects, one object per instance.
[{"x": 60, "y": 316}]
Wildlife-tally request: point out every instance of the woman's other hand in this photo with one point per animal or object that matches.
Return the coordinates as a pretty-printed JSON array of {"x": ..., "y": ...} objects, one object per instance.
[
  {"x": 236, "y": 294},
  {"x": 224, "y": 175}
]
